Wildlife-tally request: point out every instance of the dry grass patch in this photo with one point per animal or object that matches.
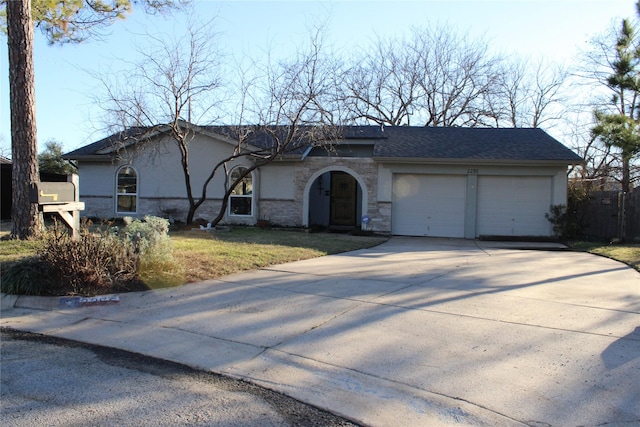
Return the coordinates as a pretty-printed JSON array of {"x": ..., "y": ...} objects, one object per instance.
[
  {"x": 207, "y": 255},
  {"x": 627, "y": 253}
]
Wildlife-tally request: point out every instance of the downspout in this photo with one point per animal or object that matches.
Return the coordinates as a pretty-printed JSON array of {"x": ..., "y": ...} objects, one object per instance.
[{"x": 306, "y": 152}]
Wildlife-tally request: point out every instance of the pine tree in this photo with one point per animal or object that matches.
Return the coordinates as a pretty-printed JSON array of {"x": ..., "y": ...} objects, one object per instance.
[
  {"x": 621, "y": 129},
  {"x": 24, "y": 147}
]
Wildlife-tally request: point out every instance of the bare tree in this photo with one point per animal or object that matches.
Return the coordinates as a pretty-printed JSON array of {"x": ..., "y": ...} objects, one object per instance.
[
  {"x": 439, "y": 77},
  {"x": 598, "y": 161},
  {"x": 174, "y": 84},
  {"x": 284, "y": 107},
  {"x": 382, "y": 85},
  {"x": 457, "y": 73},
  {"x": 436, "y": 77},
  {"x": 528, "y": 94},
  {"x": 5, "y": 150}
]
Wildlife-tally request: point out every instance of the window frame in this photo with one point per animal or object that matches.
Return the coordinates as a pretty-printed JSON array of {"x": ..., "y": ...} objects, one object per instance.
[
  {"x": 134, "y": 195},
  {"x": 241, "y": 196}
]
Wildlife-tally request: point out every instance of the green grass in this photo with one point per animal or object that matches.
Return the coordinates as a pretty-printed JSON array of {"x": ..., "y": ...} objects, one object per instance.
[
  {"x": 628, "y": 253},
  {"x": 16, "y": 250},
  {"x": 207, "y": 255}
]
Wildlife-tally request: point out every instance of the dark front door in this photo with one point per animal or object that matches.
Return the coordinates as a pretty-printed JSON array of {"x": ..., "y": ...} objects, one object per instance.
[{"x": 343, "y": 199}]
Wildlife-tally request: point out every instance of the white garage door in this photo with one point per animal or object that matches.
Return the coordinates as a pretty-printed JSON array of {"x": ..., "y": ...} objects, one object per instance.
[
  {"x": 513, "y": 206},
  {"x": 428, "y": 205}
]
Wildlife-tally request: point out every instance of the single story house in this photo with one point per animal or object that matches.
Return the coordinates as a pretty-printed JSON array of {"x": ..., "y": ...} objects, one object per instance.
[{"x": 414, "y": 181}]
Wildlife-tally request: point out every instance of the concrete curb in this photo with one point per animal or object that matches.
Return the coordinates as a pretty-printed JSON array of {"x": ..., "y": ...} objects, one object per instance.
[{"x": 7, "y": 301}]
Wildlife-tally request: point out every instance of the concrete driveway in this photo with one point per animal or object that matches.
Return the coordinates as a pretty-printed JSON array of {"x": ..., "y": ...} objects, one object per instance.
[{"x": 415, "y": 331}]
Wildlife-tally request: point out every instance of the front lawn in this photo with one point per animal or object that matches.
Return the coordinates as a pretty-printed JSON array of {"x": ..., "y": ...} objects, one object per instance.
[
  {"x": 628, "y": 253},
  {"x": 207, "y": 255}
]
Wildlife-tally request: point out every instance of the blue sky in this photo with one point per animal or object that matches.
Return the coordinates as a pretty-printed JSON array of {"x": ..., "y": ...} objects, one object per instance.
[{"x": 64, "y": 86}]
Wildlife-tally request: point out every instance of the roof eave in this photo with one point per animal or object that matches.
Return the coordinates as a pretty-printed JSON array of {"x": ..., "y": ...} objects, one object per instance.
[
  {"x": 89, "y": 157},
  {"x": 467, "y": 161}
]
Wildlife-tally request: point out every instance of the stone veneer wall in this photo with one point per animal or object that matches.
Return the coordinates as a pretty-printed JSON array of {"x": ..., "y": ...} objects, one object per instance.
[
  {"x": 381, "y": 221},
  {"x": 177, "y": 209},
  {"x": 365, "y": 168},
  {"x": 97, "y": 207},
  {"x": 103, "y": 207},
  {"x": 287, "y": 213}
]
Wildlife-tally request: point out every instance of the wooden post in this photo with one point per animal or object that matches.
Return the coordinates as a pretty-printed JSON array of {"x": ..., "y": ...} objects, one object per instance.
[
  {"x": 75, "y": 228},
  {"x": 61, "y": 198}
]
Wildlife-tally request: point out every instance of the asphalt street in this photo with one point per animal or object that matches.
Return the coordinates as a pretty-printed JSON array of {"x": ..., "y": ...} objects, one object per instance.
[{"x": 56, "y": 382}]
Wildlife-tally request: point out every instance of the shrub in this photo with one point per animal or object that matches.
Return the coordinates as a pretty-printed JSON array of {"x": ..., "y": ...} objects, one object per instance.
[
  {"x": 25, "y": 278},
  {"x": 93, "y": 264},
  {"x": 568, "y": 220},
  {"x": 149, "y": 237},
  {"x": 111, "y": 260},
  {"x": 561, "y": 221},
  {"x": 158, "y": 267}
]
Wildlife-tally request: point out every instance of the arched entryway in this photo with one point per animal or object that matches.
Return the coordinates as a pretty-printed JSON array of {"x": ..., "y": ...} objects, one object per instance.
[{"x": 335, "y": 199}]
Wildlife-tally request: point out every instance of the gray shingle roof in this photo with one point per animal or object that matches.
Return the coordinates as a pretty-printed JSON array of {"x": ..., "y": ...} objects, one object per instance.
[
  {"x": 472, "y": 143},
  {"x": 96, "y": 147},
  {"x": 515, "y": 144}
]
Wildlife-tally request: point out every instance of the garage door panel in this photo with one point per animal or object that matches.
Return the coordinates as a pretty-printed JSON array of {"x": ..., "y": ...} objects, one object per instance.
[
  {"x": 428, "y": 205},
  {"x": 513, "y": 206}
]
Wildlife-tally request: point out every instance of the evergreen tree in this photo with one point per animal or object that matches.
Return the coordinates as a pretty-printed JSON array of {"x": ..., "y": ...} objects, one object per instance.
[
  {"x": 620, "y": 126},
  {"x": 51, "y": 161}
]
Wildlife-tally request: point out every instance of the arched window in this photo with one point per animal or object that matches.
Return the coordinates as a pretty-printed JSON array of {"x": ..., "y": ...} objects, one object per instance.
[
  {"x": 241, "y": 198},
  {"x": 126, "y": 190}
]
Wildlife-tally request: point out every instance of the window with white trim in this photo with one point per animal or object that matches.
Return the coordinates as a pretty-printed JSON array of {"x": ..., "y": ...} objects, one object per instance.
[
  {"x": 126, "y": 190},
  {"x": 241, "y": 198}
]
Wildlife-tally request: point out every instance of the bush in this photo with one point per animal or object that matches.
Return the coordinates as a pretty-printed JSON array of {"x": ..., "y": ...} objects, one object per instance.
[
  {"x": 93, "y": 264},
  {"x": 112, "y": 260},
  {"x": 568, "y": 220},
  {"x": 158, "y": 267},
  {"x": 25, "y": 278},
  {"x": 149, "y": 237}
]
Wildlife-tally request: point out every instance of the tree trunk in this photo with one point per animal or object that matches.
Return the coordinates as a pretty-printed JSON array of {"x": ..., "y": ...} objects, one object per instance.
[
  {"x": 24, "y": 147},
  {"x": 626, "y": 174}
]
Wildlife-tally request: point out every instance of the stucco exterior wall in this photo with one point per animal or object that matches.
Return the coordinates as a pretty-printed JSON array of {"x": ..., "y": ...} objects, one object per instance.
[
  {"x": 97, "y": 179},
  {"x": 161, "y": 182},
  {"x": 160, "y": 171},
  {"x": 277, "y": 182}
]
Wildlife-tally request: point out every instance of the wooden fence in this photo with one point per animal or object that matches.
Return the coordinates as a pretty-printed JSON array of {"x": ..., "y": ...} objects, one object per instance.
[{"x": 613, "y": 215}]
